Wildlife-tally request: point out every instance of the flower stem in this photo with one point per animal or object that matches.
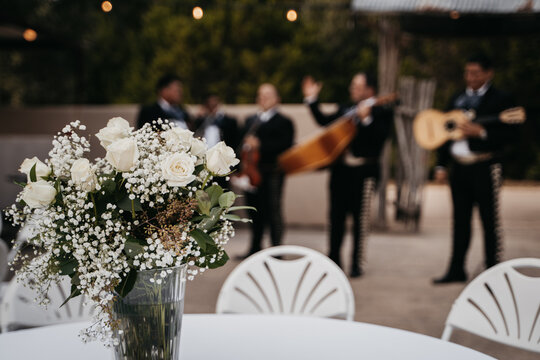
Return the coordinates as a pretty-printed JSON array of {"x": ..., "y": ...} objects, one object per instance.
[
  {"x": 206, "y": 180},
  {"x": 133, "y": 208},
  {"x": 94, "y": 202}
]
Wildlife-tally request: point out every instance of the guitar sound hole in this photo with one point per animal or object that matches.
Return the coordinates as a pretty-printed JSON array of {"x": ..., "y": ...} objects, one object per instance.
[{"x": 450, "y": 125}]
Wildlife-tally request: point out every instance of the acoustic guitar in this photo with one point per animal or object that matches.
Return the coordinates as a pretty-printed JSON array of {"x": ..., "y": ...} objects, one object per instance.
[
  {"x": 324, "y": 148},
  {"x": 432, "y": 128}
]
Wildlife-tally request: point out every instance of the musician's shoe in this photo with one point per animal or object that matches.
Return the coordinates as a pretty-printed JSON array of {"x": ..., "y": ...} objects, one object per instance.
[
  {"x": 356, "y": 272},
  {"x": 450, "y": 278}
]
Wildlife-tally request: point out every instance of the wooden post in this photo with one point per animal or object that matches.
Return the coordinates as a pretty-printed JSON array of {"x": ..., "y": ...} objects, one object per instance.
[{"x": 388, "y": 67}]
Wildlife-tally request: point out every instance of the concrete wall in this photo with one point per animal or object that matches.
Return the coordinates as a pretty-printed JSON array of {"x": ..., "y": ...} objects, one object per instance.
[{"x": 28, "y": 132}]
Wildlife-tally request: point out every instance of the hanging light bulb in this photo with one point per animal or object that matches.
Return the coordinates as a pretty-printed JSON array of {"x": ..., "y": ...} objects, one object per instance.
[
  {"x": 198, "y": 13},
  {"x": 29, "y": 35},
  {"x": 106, "y": 6},
  {"x": 292, "y": 15}
]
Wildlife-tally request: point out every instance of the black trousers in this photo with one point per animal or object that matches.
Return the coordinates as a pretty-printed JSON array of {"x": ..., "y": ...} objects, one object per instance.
[
  {"x": 476, "y": 184},
  {"x": 351, "y": 189},
  {"x": 267, "y": 201}
]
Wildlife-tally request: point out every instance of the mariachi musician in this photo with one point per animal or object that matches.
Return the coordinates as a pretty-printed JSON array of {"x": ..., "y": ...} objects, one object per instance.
[
  {"x": 265, "y": 136},
  {"x": 354, "y": 174},
  {"x": 474, "y": 166}
]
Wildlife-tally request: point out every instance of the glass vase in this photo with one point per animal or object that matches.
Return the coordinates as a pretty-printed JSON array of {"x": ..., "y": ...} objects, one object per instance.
[{"x": 149, "y": 317}]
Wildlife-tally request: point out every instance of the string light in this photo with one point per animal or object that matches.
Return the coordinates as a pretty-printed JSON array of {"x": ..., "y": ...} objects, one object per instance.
[
  {"x": 29, "y": 35},
  {"x": 197, "y": 13},
  {"x": 454, "y": 15},
  {"x": 292, "y": 15},
  {"x": 106, "y": 6}
]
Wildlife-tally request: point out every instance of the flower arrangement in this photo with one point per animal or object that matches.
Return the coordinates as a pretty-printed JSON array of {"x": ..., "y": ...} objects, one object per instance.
[{"x": 149, "y": 204}]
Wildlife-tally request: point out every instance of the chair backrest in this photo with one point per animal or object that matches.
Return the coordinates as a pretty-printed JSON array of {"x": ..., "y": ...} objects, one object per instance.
[
  {"x": 307, "y": 284},
  {"x": 18, "y": 308},
  {"x": 501, "y": 304}
]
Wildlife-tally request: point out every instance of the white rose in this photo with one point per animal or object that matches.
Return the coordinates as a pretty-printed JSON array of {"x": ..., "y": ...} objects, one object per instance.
[
  {"x": 198, "y": 148},
  {"x": 117, "y": 128},
  {"x": 178, "y": 136},
  {"x": 123, "y": 154},
  {"x": 220, "y": 158},
  {"x": 83, "y": 175},
  {"x": 41, "y": 168},
  {"x": 178, "y": 169},
  {"x": 38, "y": 194}
]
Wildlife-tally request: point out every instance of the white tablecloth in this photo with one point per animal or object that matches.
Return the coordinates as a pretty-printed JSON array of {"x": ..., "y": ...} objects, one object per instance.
[{"x": 250, "y": 337}]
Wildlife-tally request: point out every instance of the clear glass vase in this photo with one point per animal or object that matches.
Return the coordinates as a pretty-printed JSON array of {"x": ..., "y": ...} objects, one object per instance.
[{"x": 150, "y": 316}]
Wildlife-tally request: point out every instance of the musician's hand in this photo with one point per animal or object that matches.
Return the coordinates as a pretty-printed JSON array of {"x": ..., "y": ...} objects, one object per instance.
[
  {"x": 252, "y": 141},
  {"x": 363, "y": 112},
  {"x": 440, "y": 176},
  {"x": 311, "y": 88},
  {"x": 472, "y": 130}
]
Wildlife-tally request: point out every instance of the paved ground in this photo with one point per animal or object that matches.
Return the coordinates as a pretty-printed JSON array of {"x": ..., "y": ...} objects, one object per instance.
[{"x": 396, "y": 290}]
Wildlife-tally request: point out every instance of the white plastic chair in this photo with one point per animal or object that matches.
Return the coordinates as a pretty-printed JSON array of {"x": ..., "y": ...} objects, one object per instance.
[
  {"x": 310, "y": 284},
  {"x": 19, "y": 310},
  {"x": 500, "y": 304}
]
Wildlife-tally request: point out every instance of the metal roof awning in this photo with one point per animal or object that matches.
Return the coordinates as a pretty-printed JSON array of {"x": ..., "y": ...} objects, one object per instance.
[
  {"x": 433, "y": 6},
  {"x": 458, "y": 17}
]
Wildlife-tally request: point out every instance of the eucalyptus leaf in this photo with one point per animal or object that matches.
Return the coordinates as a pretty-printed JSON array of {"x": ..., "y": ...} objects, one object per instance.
[
  {"x": 203, "y": 202},
  {"x": 226, "y": 200},
  {"x": 235, "y": 208},
  {"x": 203, "y": 239},
  {"x": 214, "y": 192},
  {"x": 21, "y": 184},
  {"x": 209, "y": 222},
  {"x": 233, "y": 217},
  {"x": 109, "y": 186}
]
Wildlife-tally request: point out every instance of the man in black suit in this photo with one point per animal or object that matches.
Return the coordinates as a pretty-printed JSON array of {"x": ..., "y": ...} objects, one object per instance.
[
  {"x": 474, "y": 165},
  {"x": 214, "y": 125},
  {"x": 168, "y": 105},
  {"x": 267, "y": 133},
  {"x": 354, "y": 174}
]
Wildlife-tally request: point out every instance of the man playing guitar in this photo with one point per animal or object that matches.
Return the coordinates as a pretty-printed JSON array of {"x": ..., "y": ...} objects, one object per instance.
[
  {"x": 474, "y": 166},
  {"x": 353, "y": 175}
]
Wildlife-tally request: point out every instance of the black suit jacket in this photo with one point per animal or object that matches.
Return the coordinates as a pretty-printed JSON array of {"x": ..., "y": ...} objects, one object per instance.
[
  {"x": 499, "y": 134},
  {"x": 369, "y": 140},
  {"x": 149, "y": 113},
  {"x": 228, "y": 128},
  {"x": 275, "y": 135}
]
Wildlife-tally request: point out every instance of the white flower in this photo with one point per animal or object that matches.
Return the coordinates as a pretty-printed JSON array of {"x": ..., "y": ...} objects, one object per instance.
[
  {"x": 38, "y": 194},
  {"x": 122, "y": 154},
  {"x": 178, "y": 169},
  {"x": 117, "y": 128},
  {"x": 41, "y": 168},
  {"x": 220, "y": 158},
  {"x": 198, "y": 148},
  {"x": 83, "y": 175},
  {"x": 178, "y": 136}
]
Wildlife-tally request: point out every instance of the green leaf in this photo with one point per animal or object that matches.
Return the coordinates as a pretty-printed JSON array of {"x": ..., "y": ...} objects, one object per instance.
[
  {"x": 74, "y": 292},
  {"x": 109, "y": 186},
  {"x": 33, "y": 177},
  {"x": 21, "y": 184},
  {"x": 132, "y": 248},
  {"x": 203, "y": 202},
  {"x": 127, "y": 283},
  {"x": 220, "y": 262},
  {"x": 126, "y": 204},
  {"x": 235, "y": 208},
  {"x": 209, "y": 222},
  {"x": 234, "y": 217},
  {"x": 68, "y": 266},
  {"x": 203, "y": 239},
  {"x": 214, "y": 192},
  {"x": 227, "y": 199}
]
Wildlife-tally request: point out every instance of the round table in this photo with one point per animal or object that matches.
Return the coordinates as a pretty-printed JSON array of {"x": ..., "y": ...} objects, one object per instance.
[{"x": 261, "y": 337}]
